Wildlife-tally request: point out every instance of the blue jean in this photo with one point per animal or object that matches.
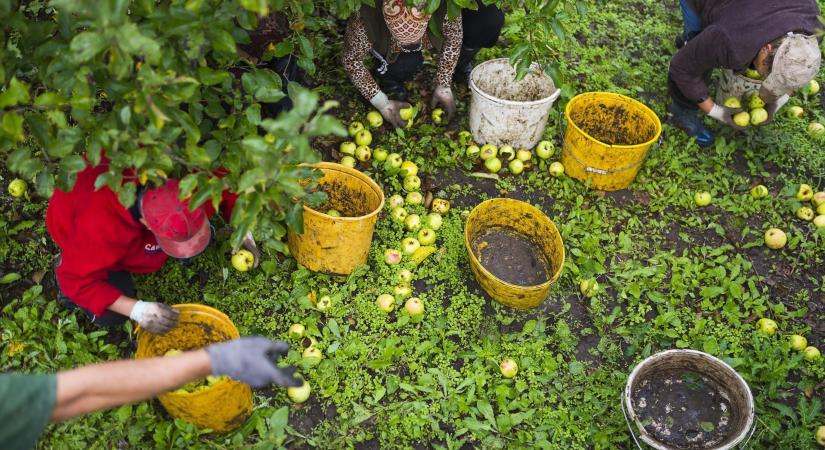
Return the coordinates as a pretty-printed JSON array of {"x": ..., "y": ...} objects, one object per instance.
[{"x": 692, "y": 21}]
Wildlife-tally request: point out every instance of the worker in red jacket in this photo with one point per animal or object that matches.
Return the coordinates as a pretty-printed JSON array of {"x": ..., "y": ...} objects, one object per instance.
[{"x": 102, "y": 242}]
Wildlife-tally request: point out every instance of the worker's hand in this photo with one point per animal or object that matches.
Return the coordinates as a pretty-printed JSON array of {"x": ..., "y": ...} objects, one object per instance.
[
  {"x": 155, "y": 317},
  {"x": 443, "y": 96},
  {"x": 390, "y": 109},
  {"x": 725, "y": 115},
  {"x": 774, "y": 107},
  {"x": 249, "y": 244},
  {"x": 252, "y": 360}
]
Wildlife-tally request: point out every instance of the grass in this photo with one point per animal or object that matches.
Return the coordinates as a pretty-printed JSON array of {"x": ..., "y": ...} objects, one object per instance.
[{"x": 675, "y": 276}]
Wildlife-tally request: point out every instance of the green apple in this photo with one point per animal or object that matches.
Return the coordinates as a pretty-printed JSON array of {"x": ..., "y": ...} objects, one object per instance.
[
  {"x": 820, "y": 435},
  {"x": 798, "y": 342},
  {"x": 732, "y": 102},
  {"x": 812, "y": 353},
  {"x": 440, "y": 206},
  {"x": 404, "y": 276},
  {"x": 312, "y": 354},
  {"x": 775, "y": 238},
  {"x": 818, "y": 198},
  {"x": 472, "y": 151},
  {"x": 702, "y": 198},
  {"x": 524, "y": 155},
  {"x": 819, "y": 221},
  {"x": 516, "y": 166},
  {"x": 465, "y": 138},
  {"x": 742, "y": 119},
  {"x": 426, "y": 236},
  {"x": 243, "y": 260},
  {"x": 296, "y": 331},
  {"x": 324, "y": 303},
  {"x": 18, "y": 188},
  {"x": 333, "y": 213},
  {"x": 493, "y": 165},
  {"x": 488, "y": 151},
  {"x": 544, "y": 149},
  {"x": 409, "y": 167},
  {"x": 375, "y": 119},
  {"x": 415, "y": 308},
  {"x": 589, "y": 287},
  {"x": 299, "y": 394},
  {"x": 766, "y": 326},
  {"x": 433, "y": 221},
  {"x": 758, "y": 116},
  {"x": 812, "y": 88},
  {"x": 395, "y": 201},
  {"x": 805, "y": 213},
  {"x": 354, "y": 128},
  {"x": 415, "y": 198},
  {"x": 363, "y": 153},
  {"x": 410, "y": 245},
  {"x": 399, "y": 215},
  {"x": 412, "y": 222},
  {"x": 379, "y": 154},
  {"x": 805, "y": 193},
  {"x": 402, "y": 291},
  {"x": 394, "y": 160},
  {"x": 556, "y": 169},
  {"x": 755, "y": 102},
  {"x": 406, "y": 113},
  {"x": 392, "y": 256},
  {"x": 363, "y": 137},
  {"x": 347, "y": 148},
  {"x": 820, "y": 209},
  {"x": 753, "y": 74},
  {"x": 795, "y": 112},
  {"x": 437, "y": 116},
  {"x": 759, "y": 191},
  {"x": 507, "y": 152},
  {"x": 508, "y": 368},
  {"x": 348, "y": 161},
  {"x": 411, "y": 183},
  {"x": 816, "y": 130}
]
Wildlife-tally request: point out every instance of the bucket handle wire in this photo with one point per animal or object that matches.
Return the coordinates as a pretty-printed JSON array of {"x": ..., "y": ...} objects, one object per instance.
[{"x": 742, "y": 446}]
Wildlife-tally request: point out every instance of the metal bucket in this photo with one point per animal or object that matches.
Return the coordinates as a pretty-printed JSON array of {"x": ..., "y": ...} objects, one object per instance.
[
  {"x": 735, "y": 85},
  {"x": 733, "y": 390}
]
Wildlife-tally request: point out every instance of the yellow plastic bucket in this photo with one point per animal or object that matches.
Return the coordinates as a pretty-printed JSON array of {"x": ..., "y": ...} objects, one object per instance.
[
  {"x": 608, "y": 117},
  {"x": 337, "y": 245},
  {"x": 524, "y": 220},
  {"x": 223, "y": 406}
]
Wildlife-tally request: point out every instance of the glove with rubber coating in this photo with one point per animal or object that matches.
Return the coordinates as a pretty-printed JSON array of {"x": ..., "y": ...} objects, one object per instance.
[
  {"x": 251, "y": 360},
  {"x": 774, "y": 107},
  {"x": 155, "y": 317},
  {"x": 725, "y": 115},
  {"x": 443, "y": 96},
  {"x": 390, "y": 109}
]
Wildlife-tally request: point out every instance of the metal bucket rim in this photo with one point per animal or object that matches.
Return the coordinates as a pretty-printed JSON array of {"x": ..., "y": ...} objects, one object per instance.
[
  {"x": 361, "y": 176},
  {"x": 540, "y": 102},
  {"x": 656, "y": 121}
]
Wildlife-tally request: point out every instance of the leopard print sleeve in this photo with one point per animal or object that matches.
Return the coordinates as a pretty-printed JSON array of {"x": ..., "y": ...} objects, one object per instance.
[
  {"x": 356, "y": 48},
  {"x": 453, "y": 31}
]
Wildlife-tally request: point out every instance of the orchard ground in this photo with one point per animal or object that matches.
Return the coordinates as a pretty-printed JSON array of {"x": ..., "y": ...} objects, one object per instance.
[{"x": 674, "y": 276}]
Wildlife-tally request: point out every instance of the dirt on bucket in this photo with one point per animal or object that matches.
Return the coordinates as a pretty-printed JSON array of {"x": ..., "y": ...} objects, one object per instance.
[
  {"x": 347, "y": 202},
  {"x": 684, "y": 409},
  {"x": 511, "y": 257},
  {"x": 613, "y": 125},
  {"x": 500, "y": 82}
]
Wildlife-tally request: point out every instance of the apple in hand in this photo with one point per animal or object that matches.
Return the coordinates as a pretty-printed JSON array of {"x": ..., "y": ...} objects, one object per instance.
[
  {"x": 399, "y": 215},
  {"x": 742, "y": 119},
  {"x": 406, "y": 113},
  {"x": 415, "y": 308},
  {"x": 379, "y": 154},
  {"x": 409, "y": 245},
  {"x": 392, "y": 256},
  {"x": 766, "y": 326},
  {"x": 394, "y": 160},
  {"x": 347, "y": 148},
  {"x": 396, "y": 201},
  {"x": 755, "y": 102},
  {"x": 412, "y": 222},
  {"x": 798, "y": 342},
  {"x": 702, "y": 198},
  {"x": 363, "y": 153},
  {"x": 805, "y": 193},
  {"x": 440, "y": 206},
  {"x": 516, "y": 166},
  {"x": 243, "y": 260},
  {"x": 433, "y": 221},
  {"x": 733, "y": 103},
  {"x": 415, "y": 198},
  {"x": 758, "y": 116},
  {"x": 759, "y": 191},
  {"x": 363, "y": 137},
  {"x": 493, "y": 165},
  {"x": 775, "y": 238},
  {"x": 426, "y": 236},
  {"x": 544, "y": 149},
  {"x": 488, "y": 151},
  {"x": 437, "y": 116},
  {"x": 348, "y": 161},
  {"x": 409, "y": 167},
  {"x": 805, "y": 213},
  {"x": 18, "y": 188},
  {"x": 508, "y": 368},
  {"x": 812, "y": 353},
  {"x": 375, "y": 119},
  {"x": 411, "y": 183},
  {"x": 473, "y": 151},
  {"x": 556, "y": 169},
  {"x": 300, "y": 393},
  {"x": 296, "y": 331},
  {"x": 354, "y": 128}
]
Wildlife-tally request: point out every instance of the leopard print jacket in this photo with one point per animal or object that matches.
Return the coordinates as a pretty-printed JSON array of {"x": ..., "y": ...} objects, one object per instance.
[{"x": 357, "y": 46}]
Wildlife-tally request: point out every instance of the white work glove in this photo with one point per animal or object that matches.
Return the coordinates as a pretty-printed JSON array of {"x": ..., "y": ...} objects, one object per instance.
[
  {"x": 725, "y": 115},
  {"x": 252, "y": 360},
  {"x": 249, "y": 244},
  {"x": 390, "y": 109},
  {"x": 774, "y": 107},
  {"x": 443, "y": 95},
  {"x": 155, "y": 317}
]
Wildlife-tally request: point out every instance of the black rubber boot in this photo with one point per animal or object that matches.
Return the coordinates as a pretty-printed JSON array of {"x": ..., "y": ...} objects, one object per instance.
[{"x": 465, "y": 65}]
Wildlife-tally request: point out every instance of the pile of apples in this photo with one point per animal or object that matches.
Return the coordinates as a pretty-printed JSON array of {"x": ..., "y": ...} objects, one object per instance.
[
  {"x": 755, "y": 113},
  {"x": 517, "y": 160},
  {"x": 359, "y": 148}
]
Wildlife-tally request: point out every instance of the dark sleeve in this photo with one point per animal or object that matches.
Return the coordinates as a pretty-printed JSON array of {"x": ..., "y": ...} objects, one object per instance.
[
  {"x": 707, "y": 51},
  {"x": 28, "y": 401}
]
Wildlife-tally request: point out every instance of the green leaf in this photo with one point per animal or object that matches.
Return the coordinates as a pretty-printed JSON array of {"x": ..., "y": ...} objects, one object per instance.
[
  {"x": 16, "y": 93},
  {"x": 10, "y": 278},
  {"x": 211, "y": 77},
  {"x": 12, "y": 126},
  {"x": 295, "y": 218},
  {"x": 49, "y": 99},
  {"x": 263, "y": 84},
  {"x": 44, "y": 184},
  {"x": 222, "y": 41},
  {"x": 258, "y": 6},
  {"x": 87, "y": 45},
  {"x": 133, "y": 42}
]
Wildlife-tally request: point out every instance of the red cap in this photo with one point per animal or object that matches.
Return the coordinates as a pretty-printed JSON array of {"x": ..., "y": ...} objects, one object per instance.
[{"x": 181, "y": 233}]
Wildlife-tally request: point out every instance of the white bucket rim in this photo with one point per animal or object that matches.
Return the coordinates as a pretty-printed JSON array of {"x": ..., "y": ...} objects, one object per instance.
[
  {"x": 551, "y": 98},
  {"x": 626, "y": 397}
]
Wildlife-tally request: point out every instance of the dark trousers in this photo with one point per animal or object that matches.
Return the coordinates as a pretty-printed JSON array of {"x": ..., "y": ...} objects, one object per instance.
[
  {"x": 121, "y": 280},
  {"x": 692, "y": 27},
  {"x": 287, "y": 68},
  {"x": 481, "y": 29}
]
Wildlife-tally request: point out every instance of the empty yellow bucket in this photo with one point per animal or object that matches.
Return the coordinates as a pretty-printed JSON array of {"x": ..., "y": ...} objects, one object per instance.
[
  {"x": 607, "y": 138},
  {"x": 528, "y": 222},
  {"x": 223, "y": 406},
  {"x": 337, "y": 245}
]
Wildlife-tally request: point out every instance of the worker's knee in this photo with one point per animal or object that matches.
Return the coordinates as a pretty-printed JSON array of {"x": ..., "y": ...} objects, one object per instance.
[{"x": 482, "y": 27}]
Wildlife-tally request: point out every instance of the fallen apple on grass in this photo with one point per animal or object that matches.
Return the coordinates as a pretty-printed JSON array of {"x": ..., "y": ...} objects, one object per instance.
[
  {"x": 411, "y": 183},
  {"x": 524, "y": 155},
  {"x": 759, "y": 191},
  {"x": 426, "y": 236},
  {"x": 766, "y": 326},
  {"x": 243, "y": 260},
  {"x": 818, "y": 199},
  {"x": 375, "y": 119},
  {"x": 296, "y": 331},
  {"x": 488, "y": 151},
  {"x": 493, "y": 165},
  {"x": 18, "y": 188},
  {"x": 385, "y": 302},
  {"x": 805, "y": 193},
  {"x": 795, "y": 112},
  {"x": 347, "y": 148},
  {"x": 300, "y": 393},
  {"x": 589, "y": 287},
  {"x": 379, "y": 154},
  {"x": 363, "y": 153},
  {"x": 404, "y": 276},
  {"x": 805, "y": 213},
  {"x": 506, "y": 151},
  {"x": 415, "y": 308},
  {"x": 394, "y": 160},
  {"x": 798, "y": 342},
  {"x": 312, "y": 355},
  {"x": 324, "y": 303},
  {"x": 354, "y": 128},
  {"x": 819, "y": 221},
  {"x": 395, "y": 201},
  {"x": 399, "y": 215},
  {"x": 465, "y": 138},
  {"x": 410, "y": 167},
  {"x": 516, "y": 166},
  {"x": 816, "y": 130},
  {"x": 410, "y": 245},
  {"x": 820, "y": 435},
  {"x": 472, "y": 151},
  {"x": 812, "y": 88},
  {"x": 415, "y": 198},
  {"x": 363, "y": 137},
  {"x": 702, "y": 198},
  {"x": 544, "y": 149},
  {"x": 402, "y": 291},
  {"x": 556, "y": 169},
  {"x": 434, "y": 221},
  {"x": 440, "y": 206},
  {"x": 392, "y": 256},
  {"x": 775, "y": 238},
  {"x": 348, "y": 161},
  {"x": 412, "y": 222},
  {"x": 812, "y": 353},
  {"x": 508, "y": 368}
]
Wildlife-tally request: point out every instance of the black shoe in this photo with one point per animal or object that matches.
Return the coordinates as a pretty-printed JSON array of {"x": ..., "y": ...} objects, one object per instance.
[{"x": 690, "y": 123}]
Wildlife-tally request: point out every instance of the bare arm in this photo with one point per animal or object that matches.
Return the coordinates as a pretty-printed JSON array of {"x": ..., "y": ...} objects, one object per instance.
[
  {"x": 123, "y": 305},
  {"x": 101, "y": 386},
  {"x": 706, "y": 105}
]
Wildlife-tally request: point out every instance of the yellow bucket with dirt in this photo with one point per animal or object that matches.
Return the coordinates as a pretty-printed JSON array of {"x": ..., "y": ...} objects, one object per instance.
[
  {"x": 222, "y": 406},
  {"x": 607, "y": 138},
  {"x": 337, "y": 245},
  {"x": 516, "y": 251}
]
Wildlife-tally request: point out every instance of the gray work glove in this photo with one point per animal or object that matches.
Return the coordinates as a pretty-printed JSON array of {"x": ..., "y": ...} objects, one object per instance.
[
  {"x": 249, "y": 244},
  {"x": 251, "y": 360},
  {"x": 390, "y": 109},
  {"x": 725, "y": 115},
  {"x": 155, "y": 317},
  {"x": 774, "y": 107},
  {"x": 443, "y": 96}
]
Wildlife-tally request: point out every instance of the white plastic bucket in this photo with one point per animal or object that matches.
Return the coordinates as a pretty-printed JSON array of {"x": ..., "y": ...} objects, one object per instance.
[
  {"x": 735, "y": 85},
  {"x": 738, "y": 394},
  {"x": 505, "y": 111}
]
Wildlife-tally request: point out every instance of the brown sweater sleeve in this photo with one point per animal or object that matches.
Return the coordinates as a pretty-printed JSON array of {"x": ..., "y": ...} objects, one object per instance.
[
  {"x": 708, "y": 50},
  {"x": 356, "y": 48},
  {"x": 453, "y": 33}
]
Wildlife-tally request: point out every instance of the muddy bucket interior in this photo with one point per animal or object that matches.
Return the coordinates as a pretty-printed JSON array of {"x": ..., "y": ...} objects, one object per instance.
[{"x": 688, "y": 400}]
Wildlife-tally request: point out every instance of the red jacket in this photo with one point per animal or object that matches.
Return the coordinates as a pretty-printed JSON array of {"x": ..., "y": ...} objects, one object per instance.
[{"x": 97, "y": 235}]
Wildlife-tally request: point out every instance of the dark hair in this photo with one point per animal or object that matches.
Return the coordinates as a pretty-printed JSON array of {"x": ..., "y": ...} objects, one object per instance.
[{"x": 774, "y": 47}]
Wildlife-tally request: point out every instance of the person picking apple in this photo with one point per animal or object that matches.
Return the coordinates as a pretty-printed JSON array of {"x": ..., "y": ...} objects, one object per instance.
[
  {"x": 102, "y": 242},
  {"x": 779, "y": 40},
  {"x": 395, "y": 35}
]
